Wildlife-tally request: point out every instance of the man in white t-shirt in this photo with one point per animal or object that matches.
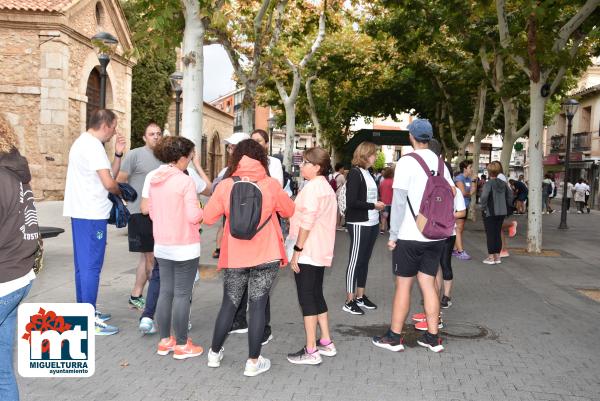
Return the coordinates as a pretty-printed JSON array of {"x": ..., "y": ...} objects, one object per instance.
[
  {"x": 413, "y": 254},
  {"x": 89, "y": 180}
]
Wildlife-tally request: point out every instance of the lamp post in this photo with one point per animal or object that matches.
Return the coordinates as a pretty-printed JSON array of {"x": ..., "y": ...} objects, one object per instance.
[
  {"x": 176, "y": 78},
  {"x": 271, "y": 124},
  {"x": 570, "y": 108},
  {"x": 105, "y": 44}
]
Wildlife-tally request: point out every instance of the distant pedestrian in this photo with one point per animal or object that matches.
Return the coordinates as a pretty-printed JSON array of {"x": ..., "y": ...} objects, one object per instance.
[
  {"x": 510, "y": 227},
  {"x": 176, "y": 215},
  {"x": 570, "y": 191},
  {"x": 464, "y": 184},
  {"x": 340, "y": 181},
  {"x": 587, "y": 195},
  {"x": 89, "y": 180},
  {"x": 251, "y": 262},
  {"x": 362, "y": 221},
  {"x": 521, "y": 194},
  {"x": 414, "y": 255},
  {"x": 19, "y": 235},
  {"x": 495, "y": 199},
  {"x": 580, "y": 190},
  {"x": 312, "y": 233},
  {"x": 547, "y": 189},
  {"x": 385, "y": 195}
]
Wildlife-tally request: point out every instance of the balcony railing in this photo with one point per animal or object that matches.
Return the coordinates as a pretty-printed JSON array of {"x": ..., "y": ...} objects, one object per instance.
[{"x": 582, "y": 141}]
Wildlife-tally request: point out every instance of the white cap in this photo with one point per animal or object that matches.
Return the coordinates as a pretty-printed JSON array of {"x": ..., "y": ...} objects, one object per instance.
[{"x": 236, "y": 138}]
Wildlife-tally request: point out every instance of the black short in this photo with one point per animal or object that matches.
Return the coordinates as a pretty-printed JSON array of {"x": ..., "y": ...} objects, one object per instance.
[
  {"x": 139, "y": 233},
  {"x": 411, "y": 257}
]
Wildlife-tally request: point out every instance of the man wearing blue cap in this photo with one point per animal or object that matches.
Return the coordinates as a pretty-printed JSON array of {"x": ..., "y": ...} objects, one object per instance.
[{"x": 414, "y": 255}]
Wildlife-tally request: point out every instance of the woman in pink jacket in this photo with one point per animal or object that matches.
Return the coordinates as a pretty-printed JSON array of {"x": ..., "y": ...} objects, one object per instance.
[
  {"x": 176, "y": 217},
  {"x": 312, "y": 230},
  {"x": 251, "y": 263}
]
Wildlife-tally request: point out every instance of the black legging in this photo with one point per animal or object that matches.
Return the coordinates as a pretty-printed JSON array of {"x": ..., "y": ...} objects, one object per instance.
[
  {"x": 240, "y": 313},
  {"x": 309, "y": 284},
  {"x": 259, "y": 281},
  {"x": 446, "y": 258},
  {"x": 493, "y": 231}
]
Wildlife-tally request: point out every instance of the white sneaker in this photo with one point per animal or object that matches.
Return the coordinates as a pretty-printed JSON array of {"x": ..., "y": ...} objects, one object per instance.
[
  {"x": 214, "y": 358},
  {"x": 147, "y": 326},
  {"x": 255, "y": 369}
]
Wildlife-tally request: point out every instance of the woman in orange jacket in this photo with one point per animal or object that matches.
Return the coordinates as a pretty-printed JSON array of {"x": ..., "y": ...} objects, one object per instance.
[{"x": 254, "y": 262}]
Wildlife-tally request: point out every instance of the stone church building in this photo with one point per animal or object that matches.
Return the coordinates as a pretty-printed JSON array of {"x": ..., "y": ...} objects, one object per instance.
[{"x": 50, "y": 78}]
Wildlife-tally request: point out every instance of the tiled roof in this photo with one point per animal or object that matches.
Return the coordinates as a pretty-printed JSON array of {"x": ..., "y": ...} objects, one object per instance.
[
  {"x": 587, "y": 91},
  {"x": 36, "y": 5}
]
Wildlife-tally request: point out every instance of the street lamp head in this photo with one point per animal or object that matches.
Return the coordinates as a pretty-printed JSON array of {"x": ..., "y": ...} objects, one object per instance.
[
  {"x": 104, "y": 42},
  {"x": 570, "y": 107},
  {"x": 176, "y": 79},
  {"x": 271, "y": 122}
]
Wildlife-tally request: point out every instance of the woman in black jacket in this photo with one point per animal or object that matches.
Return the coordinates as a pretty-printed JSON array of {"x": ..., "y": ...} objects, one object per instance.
[{"x": 362, "y": 220}]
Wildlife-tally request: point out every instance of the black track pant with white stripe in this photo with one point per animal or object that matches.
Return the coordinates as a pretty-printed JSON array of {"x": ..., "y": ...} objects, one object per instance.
[{"x": 362, "y": 241}]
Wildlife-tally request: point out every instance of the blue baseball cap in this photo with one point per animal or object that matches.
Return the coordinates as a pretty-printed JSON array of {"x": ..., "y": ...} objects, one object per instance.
[{"x": 421, "y": 129}]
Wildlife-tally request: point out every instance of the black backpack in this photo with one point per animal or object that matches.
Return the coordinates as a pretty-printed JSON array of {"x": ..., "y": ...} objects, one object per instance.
[{"x": 245, "y": 206}]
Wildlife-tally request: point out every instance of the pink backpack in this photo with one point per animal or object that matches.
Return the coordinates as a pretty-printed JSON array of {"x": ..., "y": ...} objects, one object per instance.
[{"x": 436, "y": 213}]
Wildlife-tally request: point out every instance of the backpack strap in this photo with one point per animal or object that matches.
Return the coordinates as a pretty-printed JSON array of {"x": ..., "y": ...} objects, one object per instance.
[
  {"x": 441, "y": 166},
  {"x": 422, "y": 163}
]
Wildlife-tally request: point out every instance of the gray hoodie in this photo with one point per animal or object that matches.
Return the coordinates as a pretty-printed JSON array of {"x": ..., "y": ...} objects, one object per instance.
[
  {"x": 19, "y": 229},
  {"x": 495, "y": 198}
]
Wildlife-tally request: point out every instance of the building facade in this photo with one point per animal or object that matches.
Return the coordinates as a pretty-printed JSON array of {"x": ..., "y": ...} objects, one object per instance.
[
  {"x": 50, "y": 78},
  {"x": 585, "y": 136},
  {"x": 217, "y": 125}
]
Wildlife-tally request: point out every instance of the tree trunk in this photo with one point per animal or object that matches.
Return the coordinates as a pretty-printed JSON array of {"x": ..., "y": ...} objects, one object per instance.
[
  {"x": 290, "y": 132},
  {"x": 312, "y": 109},
  {"x": 193, "y": 68},
  {"x": 534, "y": 218},
  {"x": 248, "y": 108},
  {"x": 476, "y": 156}
]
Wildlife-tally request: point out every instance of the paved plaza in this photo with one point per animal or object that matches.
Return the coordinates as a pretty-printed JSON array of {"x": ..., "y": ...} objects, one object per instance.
[{"x": 521, "y": 330}]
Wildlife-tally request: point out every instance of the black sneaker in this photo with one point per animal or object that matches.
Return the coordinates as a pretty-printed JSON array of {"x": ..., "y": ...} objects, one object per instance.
[
  {"x": 365, "y": 302},
  {"x": 389, "y": 341},
  {"x": 431, "y": 341},
  {"x": 267, "y": 336},
  {"x": 239, "y": 327},
  {"x": 353, "y": 308},
  {"x": 446, "y": 302}
]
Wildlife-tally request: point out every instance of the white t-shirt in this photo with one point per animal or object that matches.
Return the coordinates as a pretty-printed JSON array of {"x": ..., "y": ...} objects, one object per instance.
[
  {"x": 459, "y": 206},
  {"x": 569, "y": 190},
  {"x": 409, "y": 176},
  {"x": 372, "y": 194},
  {"x": 85, "y": 196},
  {"x": 275, "y": 169},
  {"x": 175, "y": 252}
]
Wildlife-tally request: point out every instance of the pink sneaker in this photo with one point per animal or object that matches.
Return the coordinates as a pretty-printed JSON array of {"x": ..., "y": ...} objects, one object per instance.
[
  {"x": 419, "y": 317},
  {"x": 164, "y": 347},
  {"x": 423, "y": 325},
  {"x": 504, "y": 253},
  {"x": 512, "y": 230},
  {"x": 189, "y": 350}
]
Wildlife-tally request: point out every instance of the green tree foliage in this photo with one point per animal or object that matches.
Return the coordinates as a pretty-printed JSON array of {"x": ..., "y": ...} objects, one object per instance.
[
  {"x": 151, "y": 94},
  {"x": 379, "y": 161},
  {"x": 151, "y": 91}
]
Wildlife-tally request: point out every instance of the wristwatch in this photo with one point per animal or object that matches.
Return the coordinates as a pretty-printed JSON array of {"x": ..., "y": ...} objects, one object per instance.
[
  {"x": 118, "y": 154},
  {"x": 298, "y": 249}
]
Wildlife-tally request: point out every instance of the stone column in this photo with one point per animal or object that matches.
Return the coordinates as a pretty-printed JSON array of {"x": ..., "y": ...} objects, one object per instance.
[{"x": 54, "y": 115}]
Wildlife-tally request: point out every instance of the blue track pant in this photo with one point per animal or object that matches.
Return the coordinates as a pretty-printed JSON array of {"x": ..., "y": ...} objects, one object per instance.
[{"x": 89, "y": 244}]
